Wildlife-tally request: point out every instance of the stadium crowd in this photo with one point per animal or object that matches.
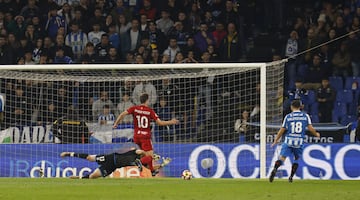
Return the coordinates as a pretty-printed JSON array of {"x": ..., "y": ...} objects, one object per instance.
[{"x": 190, "y": 31}]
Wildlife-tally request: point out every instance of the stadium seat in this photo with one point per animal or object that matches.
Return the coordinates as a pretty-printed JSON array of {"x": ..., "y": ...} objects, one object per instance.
[
  {"x": 344, "y": 96},
  {"x": 350, "y": 80},
  {"x": 339, "y": 111},
  {"x": 302, "y": 70},
  {"x": 353, "y": 108},
  {"x": 347, "y": 119},
  {"x": 336, "y": 82},
  {"x": 315, "y": 118}
]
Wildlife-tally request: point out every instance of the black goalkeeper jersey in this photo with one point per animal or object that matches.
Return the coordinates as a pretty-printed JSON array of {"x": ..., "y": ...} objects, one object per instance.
[{"x": 125, "y": 159}]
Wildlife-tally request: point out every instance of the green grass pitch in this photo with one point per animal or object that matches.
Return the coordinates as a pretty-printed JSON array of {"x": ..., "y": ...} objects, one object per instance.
[{"x": 176, "y": 188}]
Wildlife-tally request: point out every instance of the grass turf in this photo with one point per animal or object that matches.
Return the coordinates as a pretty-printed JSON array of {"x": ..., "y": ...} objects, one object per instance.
[{"x": 176, "y": 188}]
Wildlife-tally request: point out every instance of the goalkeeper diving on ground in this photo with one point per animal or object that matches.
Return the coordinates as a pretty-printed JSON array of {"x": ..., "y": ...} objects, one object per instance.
[{"x": 108, "y": 163}]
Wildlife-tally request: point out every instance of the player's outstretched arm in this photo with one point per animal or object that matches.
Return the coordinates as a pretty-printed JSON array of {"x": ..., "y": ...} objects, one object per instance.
[
  {"x": 313, "y": 131},
  {"x": 166, "y": 123},
  {"x": 278, "y": 136},
  {"x": 120, "y": 118}
]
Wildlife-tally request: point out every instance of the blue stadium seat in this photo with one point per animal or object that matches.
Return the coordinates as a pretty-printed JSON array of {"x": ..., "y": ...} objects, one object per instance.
[
  {"x": 336, "y": 82},
  {"x": 350, "y": 80},
  {"x": 339, "y": 111},
  {"x": 315, "y": 118},
  {"x": 302, "y": 70},
  {"x": 314, "y": 108},
  {"x": 353, "y": 108},
  {"x": 345, "y": 120},
  {"x": 344, "y": 96}
]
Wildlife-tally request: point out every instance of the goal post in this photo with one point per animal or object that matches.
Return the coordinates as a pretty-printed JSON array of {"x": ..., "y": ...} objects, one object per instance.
[{"x": 209, "y": 99}]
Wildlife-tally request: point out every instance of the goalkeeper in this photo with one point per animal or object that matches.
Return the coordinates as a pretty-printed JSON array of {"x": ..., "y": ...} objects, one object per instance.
[
  {"x": 108, "y": 163},
  {"x": 294, "y": 126}
]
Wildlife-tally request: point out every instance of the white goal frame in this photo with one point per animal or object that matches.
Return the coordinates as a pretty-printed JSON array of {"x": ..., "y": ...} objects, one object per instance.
[{"x": 261, "y": 66}]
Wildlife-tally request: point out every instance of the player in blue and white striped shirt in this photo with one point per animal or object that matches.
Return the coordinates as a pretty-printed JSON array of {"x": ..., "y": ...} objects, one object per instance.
[{"x": 294, "y": 127}]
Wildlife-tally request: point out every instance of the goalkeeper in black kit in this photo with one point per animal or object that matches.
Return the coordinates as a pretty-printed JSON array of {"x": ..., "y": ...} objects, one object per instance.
[
  {"x": 108, "y": 163},
  {"x": 70, "y": 129}
]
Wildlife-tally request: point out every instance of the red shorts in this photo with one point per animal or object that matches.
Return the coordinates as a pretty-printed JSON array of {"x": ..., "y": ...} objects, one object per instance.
[{"x": 144, "y": 143}]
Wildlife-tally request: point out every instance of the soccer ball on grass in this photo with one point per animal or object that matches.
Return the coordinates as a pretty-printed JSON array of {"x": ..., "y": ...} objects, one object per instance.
[{"x": 186, "y": 175}]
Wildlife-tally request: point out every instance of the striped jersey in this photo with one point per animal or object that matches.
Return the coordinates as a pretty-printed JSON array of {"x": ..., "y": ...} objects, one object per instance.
[
  {"x": 109, "y": 118},
  {"x": 77, "y": 41},
  {"x": 295, "y": 124}
]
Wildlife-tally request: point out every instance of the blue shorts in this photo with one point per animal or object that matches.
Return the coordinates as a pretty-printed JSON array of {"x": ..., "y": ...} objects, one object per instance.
[{"x": 287, "y": 151}]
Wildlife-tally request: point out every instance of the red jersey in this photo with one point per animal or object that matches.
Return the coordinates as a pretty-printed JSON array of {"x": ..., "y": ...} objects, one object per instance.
[{"x": 142, "y": 115}]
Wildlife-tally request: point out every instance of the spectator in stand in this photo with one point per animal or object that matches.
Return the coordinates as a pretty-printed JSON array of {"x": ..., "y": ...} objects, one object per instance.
[
  {"x": 191, "y": 47},
  {"x": 54, "y": 22},
  {"x": 77, "y": 40},
  {"x": 203, "y": 38},
  {"x": 205, "y": 57},
  {"x": 230, "y": 48},
  {"x": 322, "y": 28},
  {"x": 60, "y": 43},
  {"x": 31, "y": 35},
  {"x": 98, "y": 105},
  {"x": 61, "y": 100},
  {"x": 143, "y": 23},
  {"x": 325, "y": 97},
  {"x": 114, "y": 37},
  {"x": 298, "y": 92},
  {"x": 214, "y": 56},
  {"x": 340, "y": 26},
  {"x": 106, "y": 117},
  {"x": 229, "y": 15},
  {"x": 131, "y": 40},
  {"x": 37, "y": 51},
  {"x": 142, "y": 87},
  {"x": 191, "y": 57},
  {"x": 194, "y": 16},
  {"x": 28, "y": 58},
  {"x": 165, "y": 22},
  {"x": 179, "y": 58},
  {"x": 177, "y": 31},
  {"x": 17, "y": 26},
  {"x": 102, "y": 49},
  {"x": 172, "y": 49},
  {"x": 38, "y": 28},
  {"x": 241, "y": 127},
  {"x": 219, "y": 33},
  {"x": 313, "y": 73},
  {"x": 7, "y": 54},
  {"x": 121, "y": 9},
  {"x": 184, "y": 20},
  {"x": 309, "y": 42},
  {"x": 148, "y": 10},
  {"x": 112, "y": 56},
  {"x": 30, "y": 10},
  {"x": 164, "y": 111},
  {"x": 342, "y": 61},
  {"x": 98, "y": 18},
  {"x": 94, "y": 36},
  {"x": 354, "y": 50},
  {"x": 156, "y": 37},
  {"x": 155, "y": 56},
  {"x": 61, "y": 58},
  {"x": 66, "y": 12},
  {"x": 125, "y": 104},
  {"x": 89, "y": 55},
  {"x": 20, "y": 107},
  {"x": 79, "y": 19},
  {"x": 49, "y": 114},
  {"x": 122, "y": 26}
]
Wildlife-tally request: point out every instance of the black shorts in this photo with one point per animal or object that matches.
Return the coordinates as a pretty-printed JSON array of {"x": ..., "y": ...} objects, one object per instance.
[{"x": 106, "y": 164}]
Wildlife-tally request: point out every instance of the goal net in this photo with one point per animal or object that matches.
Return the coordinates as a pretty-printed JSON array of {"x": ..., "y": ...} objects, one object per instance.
[{"x": 222, "y": 108}]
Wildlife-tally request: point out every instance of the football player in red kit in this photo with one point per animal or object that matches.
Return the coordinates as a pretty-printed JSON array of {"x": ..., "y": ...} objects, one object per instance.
[{"x": 143, "y": 115}]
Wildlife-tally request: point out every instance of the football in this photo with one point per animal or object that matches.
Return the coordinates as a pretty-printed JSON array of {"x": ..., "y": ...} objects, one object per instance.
[{"x": 186, "y": 175}]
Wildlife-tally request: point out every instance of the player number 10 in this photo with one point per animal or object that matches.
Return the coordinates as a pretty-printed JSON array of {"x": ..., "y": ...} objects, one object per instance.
[{"x": 143, "y": 121}]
